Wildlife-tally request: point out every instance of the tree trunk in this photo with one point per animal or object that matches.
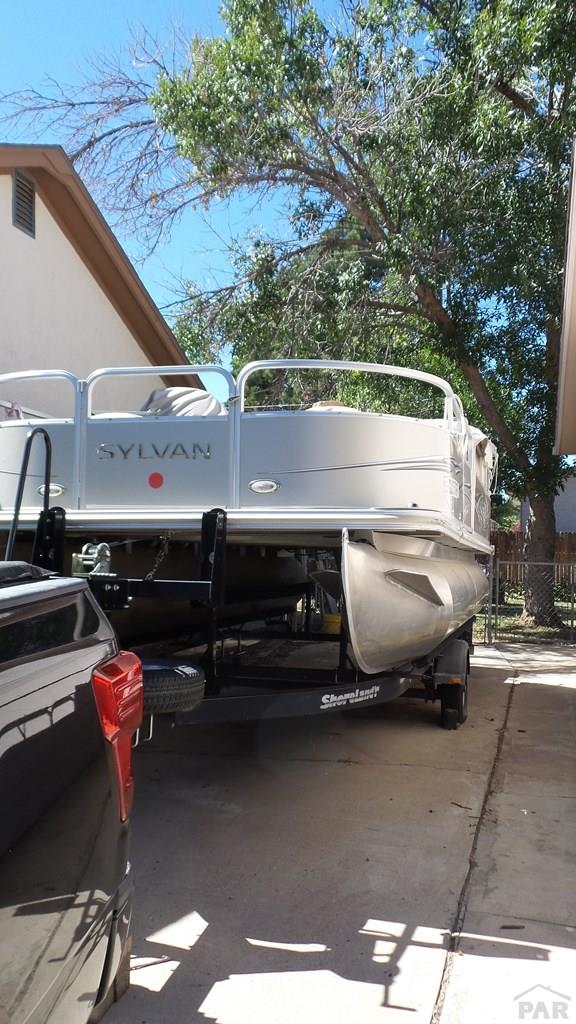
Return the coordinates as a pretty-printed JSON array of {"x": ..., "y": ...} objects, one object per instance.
[{"x": 539, "y": 547}]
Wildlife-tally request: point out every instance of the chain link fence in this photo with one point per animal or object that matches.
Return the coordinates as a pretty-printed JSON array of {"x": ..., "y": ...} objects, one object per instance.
[{"x": 531, "y": 602}]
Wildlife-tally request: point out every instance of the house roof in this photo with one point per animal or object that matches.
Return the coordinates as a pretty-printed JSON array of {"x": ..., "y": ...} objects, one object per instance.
[
  {"x": 566, "y": 414},
  {"x": 73, "y": 208}
]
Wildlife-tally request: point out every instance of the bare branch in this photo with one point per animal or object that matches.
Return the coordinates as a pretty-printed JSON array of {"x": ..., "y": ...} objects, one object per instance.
[{"x": 129, "y": 162}]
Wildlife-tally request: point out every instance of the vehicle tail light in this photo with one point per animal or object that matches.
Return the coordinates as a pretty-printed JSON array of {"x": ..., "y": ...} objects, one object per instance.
[{"x": 119, "y": 694}]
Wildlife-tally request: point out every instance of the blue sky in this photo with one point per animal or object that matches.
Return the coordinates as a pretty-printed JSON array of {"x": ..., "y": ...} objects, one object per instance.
[{"x": 56, "y": 38}]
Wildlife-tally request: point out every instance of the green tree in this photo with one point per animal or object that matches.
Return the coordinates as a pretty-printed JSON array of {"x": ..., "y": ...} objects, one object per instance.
[
  {"x": 431, "y": 139},
  {"x": 315, "y": 309}
]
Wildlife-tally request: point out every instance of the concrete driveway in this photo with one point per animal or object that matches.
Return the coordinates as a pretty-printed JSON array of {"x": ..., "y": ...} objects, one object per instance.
[{"x": 367, "y": 868}]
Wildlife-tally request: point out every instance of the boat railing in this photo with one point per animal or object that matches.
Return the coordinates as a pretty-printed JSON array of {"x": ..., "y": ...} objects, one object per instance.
[
  {"x": 31, "y": 437},
  {"x": 454, "y": 418},
  {"x": 453, "y": 410},
  {"x": 154, "y": 371}
]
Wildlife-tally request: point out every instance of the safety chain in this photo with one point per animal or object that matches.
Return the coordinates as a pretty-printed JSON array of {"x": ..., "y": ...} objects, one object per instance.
[{"x": 162, "y": 552}]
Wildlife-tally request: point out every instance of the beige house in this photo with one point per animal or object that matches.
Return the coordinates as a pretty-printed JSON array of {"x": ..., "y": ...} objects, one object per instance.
[{"x": 69, "y": 296}]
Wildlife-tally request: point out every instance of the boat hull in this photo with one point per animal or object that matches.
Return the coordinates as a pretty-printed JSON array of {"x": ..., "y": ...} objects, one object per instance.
[{"x": 405, "y": 595}]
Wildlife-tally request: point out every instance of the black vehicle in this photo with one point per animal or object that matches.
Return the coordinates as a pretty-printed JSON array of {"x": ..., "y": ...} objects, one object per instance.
[{"x": 70, "y": 703}]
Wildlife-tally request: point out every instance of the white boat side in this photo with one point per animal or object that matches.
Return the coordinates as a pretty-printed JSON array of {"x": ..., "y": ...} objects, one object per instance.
[
  {"x": 406, "y": 500},
  {"x": 272, "y": 471}
]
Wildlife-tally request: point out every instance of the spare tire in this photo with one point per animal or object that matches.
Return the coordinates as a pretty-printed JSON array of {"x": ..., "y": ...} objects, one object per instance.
[{"x": 171, "y": 684}]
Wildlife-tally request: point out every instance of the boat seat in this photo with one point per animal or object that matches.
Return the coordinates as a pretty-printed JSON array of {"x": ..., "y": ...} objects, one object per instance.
[
  {"x": 332, "y": 405},
  {"x": 182, "y": 402},
  {"x": 116, "y": 415},
  {"x": 11, "y": 411}
]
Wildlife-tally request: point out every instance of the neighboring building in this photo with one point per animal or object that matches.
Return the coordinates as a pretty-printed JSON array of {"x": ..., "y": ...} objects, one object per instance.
[
  {"x": 69, "y": 296},
  {"x": 566, "y": 416},
  {"x": 564, "y": 506}
]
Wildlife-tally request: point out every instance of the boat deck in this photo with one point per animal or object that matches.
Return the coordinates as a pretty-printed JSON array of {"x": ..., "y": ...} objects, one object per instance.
[{"x": 312, "y": 527}]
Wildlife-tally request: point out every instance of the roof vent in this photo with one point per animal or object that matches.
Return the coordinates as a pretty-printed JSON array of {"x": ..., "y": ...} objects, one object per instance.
[{"x": 23, "y": 203}]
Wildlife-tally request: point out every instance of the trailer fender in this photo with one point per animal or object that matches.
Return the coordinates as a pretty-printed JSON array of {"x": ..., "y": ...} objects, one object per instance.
[{"x": 452, "y": 665}]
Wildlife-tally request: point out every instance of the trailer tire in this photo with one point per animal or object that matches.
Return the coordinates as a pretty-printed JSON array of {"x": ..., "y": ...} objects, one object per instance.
[
  {"x": 170, "y": 685},
  {"x": 449, "y": 718},
  {"x": 453, "y": 705}
]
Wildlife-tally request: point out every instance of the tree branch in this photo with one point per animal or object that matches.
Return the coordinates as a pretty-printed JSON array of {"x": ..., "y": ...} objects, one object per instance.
[
  {"x": 439, "y": 315},
  {"x": 95, "y": 140},
  {"x": 515, "y": 98}
]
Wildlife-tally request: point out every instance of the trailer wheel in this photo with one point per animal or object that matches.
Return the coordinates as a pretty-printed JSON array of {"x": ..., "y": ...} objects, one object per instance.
[
  {"x": 171, "y": 684},
  {"x": 451, "y": 679},
  {"x": 453, "y": 705}
]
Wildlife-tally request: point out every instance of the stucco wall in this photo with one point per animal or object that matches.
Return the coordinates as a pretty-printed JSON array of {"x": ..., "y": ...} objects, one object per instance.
[{"x": 54, "y": 315}]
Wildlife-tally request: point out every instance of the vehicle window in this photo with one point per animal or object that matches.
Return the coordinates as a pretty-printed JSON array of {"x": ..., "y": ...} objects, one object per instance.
[{"x": 29, "y": 634}]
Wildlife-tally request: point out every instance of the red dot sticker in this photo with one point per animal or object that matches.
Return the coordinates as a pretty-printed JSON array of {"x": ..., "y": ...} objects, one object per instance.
[{"x": 155, "y": 480}]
